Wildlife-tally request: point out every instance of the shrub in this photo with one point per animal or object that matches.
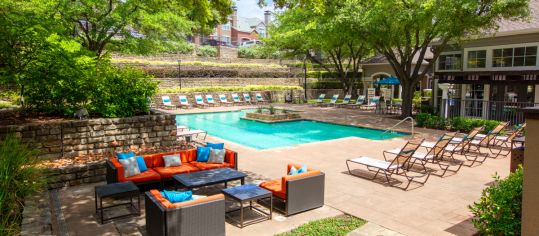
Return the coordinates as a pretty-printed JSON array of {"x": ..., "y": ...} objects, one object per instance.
[
  {"x": 258, "y": 53},
  {"x": 498, "y": 211},
  {"x": 18, "y": 178},
  {"x": 230, "y": 89},
  {"x": 460, "y": 124},
  {"x": 206, "y": 51}
]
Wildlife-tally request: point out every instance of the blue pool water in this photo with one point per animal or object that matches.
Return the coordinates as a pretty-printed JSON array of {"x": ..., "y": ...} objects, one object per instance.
[{"x": 229, "y": 126}]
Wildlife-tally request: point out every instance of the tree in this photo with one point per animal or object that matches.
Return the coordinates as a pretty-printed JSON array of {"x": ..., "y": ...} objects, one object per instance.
[
  {"x": 97, "y": 23},
  {"x": 302, "y": 31},
  {"x": 405, "y": 30}
]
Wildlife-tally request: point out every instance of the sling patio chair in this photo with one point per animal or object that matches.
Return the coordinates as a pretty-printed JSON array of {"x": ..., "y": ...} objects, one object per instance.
[
  {"x": 224, "y": 100},
  {"x": 501, "y": 145},
  {"x": 236, "y": 99},
  {"x": 320, "y": 100},
  {"x": 461, "y": 146},
  {"x": 200, "y": 102},
  {"x": 260, "y": 98},
  {"x": 332, "y": 102},
  {"x": 184, "y": 102},
  {"x": 209, "y": 99},
  {"x": 433, "y": 155},
  {"x": 359, "y": 101},
  {"x": 345, "y": 101},
  {"x": 167, "y": 103},
  {"x": 247, "y": 99},
  {"x": 398, "y": 164},
  {"x": 374, "y": 101},
  {"x": 487, "y": 140}
]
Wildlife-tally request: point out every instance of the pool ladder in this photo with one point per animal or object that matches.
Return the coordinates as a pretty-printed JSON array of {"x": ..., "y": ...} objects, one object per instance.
[{"x": 400, "y": 122}]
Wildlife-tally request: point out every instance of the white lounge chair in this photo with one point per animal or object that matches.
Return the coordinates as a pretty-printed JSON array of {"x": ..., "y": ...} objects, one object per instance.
[
  {"x": 191, "y": 133},
  {"x": 345, "y": 101},
  {"x": 320, "y": 99},
  {"x": 359, "y": 101},
  {"x": 333, "y": 101},
  {"x": 167, "y": 103},
  {"x": 209, "y": 99},
  {"x": 184, "y": 102},
  {"x": 200, "y": 102},
  {"x": 236, "y": 99},
  {"x": 260, "y": 98},
  {"x": 224, "y": 101},
  {"x": 247, "y": 98},
  {"x": 372, "y": 103},
  {"x": 398, "y": 164}
]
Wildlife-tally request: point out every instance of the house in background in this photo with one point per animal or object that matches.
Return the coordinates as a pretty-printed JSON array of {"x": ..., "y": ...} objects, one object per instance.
[
  {"x": 236, "y": 30},
  {"x": 494, "y": 75}
]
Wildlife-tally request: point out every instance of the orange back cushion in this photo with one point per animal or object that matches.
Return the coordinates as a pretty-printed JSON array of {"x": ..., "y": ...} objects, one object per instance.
[
  {"x": 167, "y": 204},
  {"x": 297, "y": 176}
]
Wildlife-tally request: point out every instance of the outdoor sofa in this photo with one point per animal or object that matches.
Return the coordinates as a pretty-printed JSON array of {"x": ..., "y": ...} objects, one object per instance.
[
  {"x": 299, "y": 192},
  {"x": 157, "y": 173},
  {"x": 199, "y": 217}
]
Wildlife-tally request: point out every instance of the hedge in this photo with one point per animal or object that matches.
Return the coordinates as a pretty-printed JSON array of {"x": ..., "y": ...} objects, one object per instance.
[
  {"x": 230, "y": 89},
  {"x": 460, "y": 124},
  {"x": 172, "y": 72}
]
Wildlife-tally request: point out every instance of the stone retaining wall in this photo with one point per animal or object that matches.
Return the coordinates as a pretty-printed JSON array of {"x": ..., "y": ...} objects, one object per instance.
[
  {"x": 210, "y": 82},
  {"x": 76, "y": 174},
  {"x": 273, "y": 96},
  {"x": 96, "y": 136}
]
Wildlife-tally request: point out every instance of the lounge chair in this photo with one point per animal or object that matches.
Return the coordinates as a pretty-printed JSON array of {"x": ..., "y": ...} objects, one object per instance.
[
  {"x": 359, "y": 101},
  {"x": 372, "y": 103},
  {"x": 333, "y": 101},
  {"x": 320, "y": 100},
  {"x": 299, "y": 192},
  {"x": 184, "y": 102},
  {"x": 503, "y": 142},
  {"x": 200, "y": 102},
  {"x": 461, "y": 146},
  {"x": 487, "y": 140},
  {"x": 167, "y": 103},
  {"x": 260, "y": 98},
  {"x": 398, "y": 164},
  {"x": 192, "y": 133},
  {"x": 345, "y": 101},
  {"x": 247, "y": 98},
  {"x": 223, "y": 100},
  {"x": 202, "y": 216},
  {"x": 209, "y": 99},
  {"x": 434, "y": 154},
  {"x": 236, "y": 99}
]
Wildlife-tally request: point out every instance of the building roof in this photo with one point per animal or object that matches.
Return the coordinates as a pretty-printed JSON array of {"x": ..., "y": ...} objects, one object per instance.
[
  {"x": 381, "y": 59},
  {"x": 248, "y": 24},
  {"x": 507, "y": 26}
]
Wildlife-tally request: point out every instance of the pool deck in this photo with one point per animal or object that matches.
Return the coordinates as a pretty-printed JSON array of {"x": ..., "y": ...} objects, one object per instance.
[{"x": 438, "y": 208}]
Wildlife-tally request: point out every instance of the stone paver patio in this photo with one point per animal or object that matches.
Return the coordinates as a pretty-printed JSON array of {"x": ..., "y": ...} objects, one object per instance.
[{"x": 438, "y": 208}]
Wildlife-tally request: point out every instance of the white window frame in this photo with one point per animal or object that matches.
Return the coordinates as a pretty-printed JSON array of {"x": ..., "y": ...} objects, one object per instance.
[
  {"x": 490, "y": 53},
  {"x": 449, "y": 53}
]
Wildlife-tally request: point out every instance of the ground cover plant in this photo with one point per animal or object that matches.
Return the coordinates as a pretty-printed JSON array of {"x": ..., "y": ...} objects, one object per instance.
[
  {"x": 335, "y": 226},
  {"x": 230, "y": 89},
  {"x": 18, "y": 178},
  {"x": 194, "y": 63}
]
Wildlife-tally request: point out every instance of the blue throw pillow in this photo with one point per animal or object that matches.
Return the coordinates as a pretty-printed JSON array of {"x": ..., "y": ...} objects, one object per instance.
[
  {"x": 141, "y": 164},
  {"x": 293, "y": 171},
  {"x": 303, "y": 169},
  {"x": 203, "y": 154},
  {"x": 124, "y": 155},
  {"x": 176, "y": 196},
  {"x": 216, "y": 145}
]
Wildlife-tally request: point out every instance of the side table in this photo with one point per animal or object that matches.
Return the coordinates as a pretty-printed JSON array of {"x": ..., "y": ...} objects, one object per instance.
[{"x": 117, "y": 190}]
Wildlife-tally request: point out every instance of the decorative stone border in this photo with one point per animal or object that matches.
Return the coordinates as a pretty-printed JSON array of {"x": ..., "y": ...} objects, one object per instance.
[{"x": 76, "y": 174}]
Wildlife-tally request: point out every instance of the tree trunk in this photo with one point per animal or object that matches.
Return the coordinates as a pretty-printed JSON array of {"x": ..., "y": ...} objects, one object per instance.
[{"x": 407, "y": 99}]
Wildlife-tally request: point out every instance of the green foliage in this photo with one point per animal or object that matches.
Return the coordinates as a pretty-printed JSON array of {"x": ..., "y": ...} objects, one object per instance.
[
  {"x": 259, "y": 109},
  {"x": 335, "y": 226},
  {"x": 195, "y": 63},
  {"x": 146, "y": 47},
  {"x": 258, "y": 53},
  {"x": 430, "y": 121},
  {"x": 18, "y": 178},
  {"x": 460, "y": 124},
  {"x": 325, "y": 85},
  {"x": 271, "y": 109},
  {"x": 230, "y": 89},
  {"x": 5, "y": 104},
  {"x": 498, "y": 211},
  {"x": 206, "y": 51}
]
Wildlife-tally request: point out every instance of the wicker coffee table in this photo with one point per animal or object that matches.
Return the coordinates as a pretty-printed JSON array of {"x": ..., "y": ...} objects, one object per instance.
[
  {"x": 117, "y": 190},
  {"x": 248, "y": 193}
]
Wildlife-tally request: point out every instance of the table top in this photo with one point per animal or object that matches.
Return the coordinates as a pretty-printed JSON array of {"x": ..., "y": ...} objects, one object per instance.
[
  {"x": 110, "y": 190},
  {"x": 246, "y": 192},
  {"x": 208, "y": 177}
]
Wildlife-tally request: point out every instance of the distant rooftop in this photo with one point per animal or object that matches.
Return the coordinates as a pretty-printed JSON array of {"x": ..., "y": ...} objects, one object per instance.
[
  {"x": 506, "y": 26},
  {"x": 248, "y": 24}
]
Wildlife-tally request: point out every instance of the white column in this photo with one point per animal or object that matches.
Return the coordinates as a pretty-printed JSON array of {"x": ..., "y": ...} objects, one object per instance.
[
  {"x": 463, "y": 89},
  {"x": 435, "y": 93},
  {"x": 445, "y": 99},
  {"x": 486, "y": 98}
]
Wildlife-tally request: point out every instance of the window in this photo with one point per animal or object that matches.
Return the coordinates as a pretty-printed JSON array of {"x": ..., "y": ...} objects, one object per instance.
[
  {"x": 226, "y": 26},
  {"x": 514, "y": 57},
  {"x": 450, "y": 61},
  {"x": 477, "y": 59}
]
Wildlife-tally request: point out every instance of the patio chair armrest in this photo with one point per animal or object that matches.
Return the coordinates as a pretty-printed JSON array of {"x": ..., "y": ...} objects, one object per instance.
[
  {"x": 305, "y": 193},
  {"x": 112, "y": 172}
]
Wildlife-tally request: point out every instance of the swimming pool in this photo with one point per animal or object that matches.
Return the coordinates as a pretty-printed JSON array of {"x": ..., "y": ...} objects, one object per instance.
[{"x": 229, "y": 126}]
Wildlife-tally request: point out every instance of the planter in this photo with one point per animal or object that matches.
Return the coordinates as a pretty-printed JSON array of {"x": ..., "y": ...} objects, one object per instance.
[{"x": 270, "y": 118}]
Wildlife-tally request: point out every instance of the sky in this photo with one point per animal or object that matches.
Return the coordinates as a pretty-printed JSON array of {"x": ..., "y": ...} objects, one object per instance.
[{"x": 250, "y": 8}]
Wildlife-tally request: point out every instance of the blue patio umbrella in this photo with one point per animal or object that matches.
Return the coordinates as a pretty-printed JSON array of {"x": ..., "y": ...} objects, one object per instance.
[{"x": 391, "y": 80}]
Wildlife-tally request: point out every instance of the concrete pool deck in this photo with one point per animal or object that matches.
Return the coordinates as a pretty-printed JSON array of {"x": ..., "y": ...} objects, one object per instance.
[{"x": 438, "y": 208}]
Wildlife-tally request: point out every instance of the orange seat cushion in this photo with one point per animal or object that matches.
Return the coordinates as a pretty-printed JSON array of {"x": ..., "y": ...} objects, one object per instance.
[
  {"x": 146, "y": 176},
  {"x": 168, "y": 172},
  {"x": 275, "y": 186},
  {"x": 209, "y": 166},
  {"x": 167, "y": 204}
]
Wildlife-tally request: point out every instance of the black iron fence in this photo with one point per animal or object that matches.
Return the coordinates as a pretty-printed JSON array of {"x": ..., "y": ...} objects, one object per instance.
[{"x": 491, "y": 110}]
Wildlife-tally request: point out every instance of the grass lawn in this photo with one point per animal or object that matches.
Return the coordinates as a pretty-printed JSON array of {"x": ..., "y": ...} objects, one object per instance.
[{"x": 340, "y": 225}]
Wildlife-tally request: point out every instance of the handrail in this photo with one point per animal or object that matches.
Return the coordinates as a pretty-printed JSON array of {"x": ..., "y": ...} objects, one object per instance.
[{"x": 400, "y": 122}]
